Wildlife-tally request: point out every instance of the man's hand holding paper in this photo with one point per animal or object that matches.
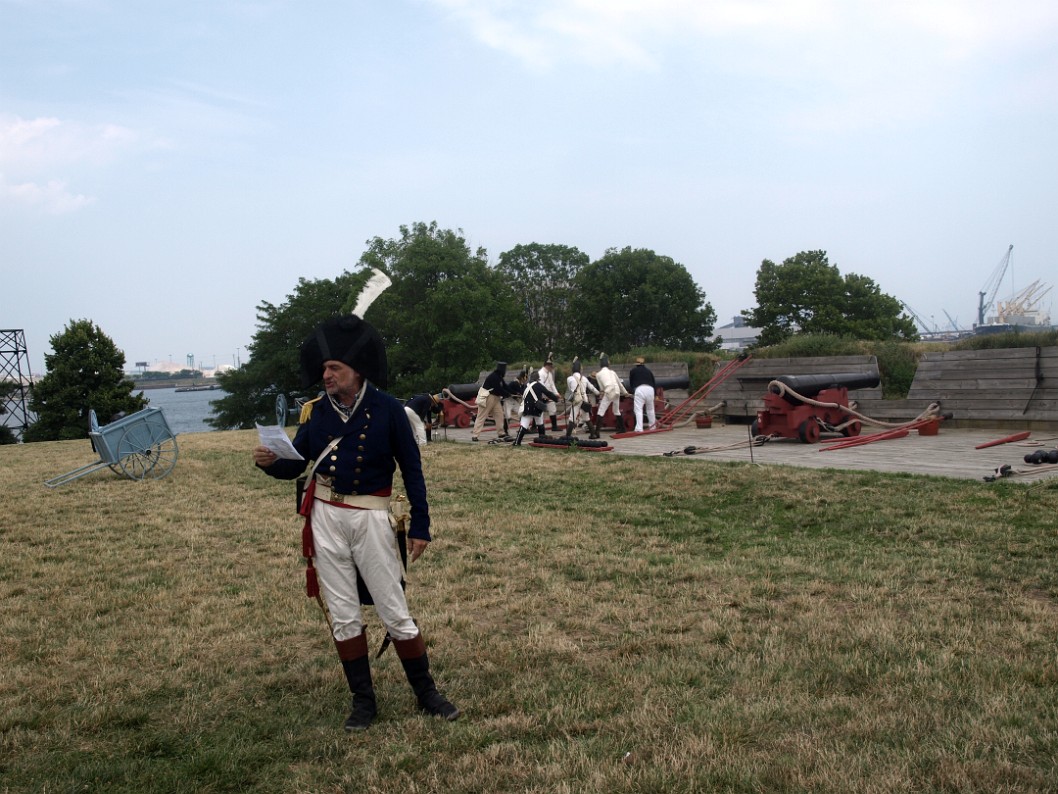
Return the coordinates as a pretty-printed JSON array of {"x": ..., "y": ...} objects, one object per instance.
[{"x": 275, "y": 439}]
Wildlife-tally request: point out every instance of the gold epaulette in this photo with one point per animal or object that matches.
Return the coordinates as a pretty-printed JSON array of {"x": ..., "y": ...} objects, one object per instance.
[{"x": 306, "y": 410}]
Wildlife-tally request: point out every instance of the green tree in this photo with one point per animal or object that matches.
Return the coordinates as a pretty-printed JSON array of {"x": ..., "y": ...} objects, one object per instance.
[
  {"x": 806, "y": 294},
  {"x": 542, "y": 279},
  {"x": 7, "y": 394},
  {"x": 448, "y": 314},
  {"x": 272, "y": 367},
  {"x": 635, "y": 298},
  {"x": 85, "y": 372}
]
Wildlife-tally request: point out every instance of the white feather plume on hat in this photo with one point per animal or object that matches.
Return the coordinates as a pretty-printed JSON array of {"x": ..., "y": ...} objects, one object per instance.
[{"x": 375, "y": 286}]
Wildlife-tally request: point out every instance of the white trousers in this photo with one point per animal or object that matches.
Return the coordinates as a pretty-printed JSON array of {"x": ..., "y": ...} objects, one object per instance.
[
  {"x": 605, "y": 402},
  {"x": 644, "y": 398},
  {"x": 511, "y": 408},
  {"x": 347, "y": 540},
  {"x": 417, "y": 427},
  {"x": 579, "y": 412},
  {"x": 528, "y": 421}
]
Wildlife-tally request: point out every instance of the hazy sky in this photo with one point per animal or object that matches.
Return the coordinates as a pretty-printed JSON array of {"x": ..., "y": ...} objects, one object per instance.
[{"x": 166, "y": 166}]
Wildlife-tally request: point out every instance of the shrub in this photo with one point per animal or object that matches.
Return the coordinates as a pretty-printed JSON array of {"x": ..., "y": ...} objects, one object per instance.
[
  {"x": 897, "y": 363},
  {"x": 812, "y": 346},
  {"x": 1048, "y": 338}
]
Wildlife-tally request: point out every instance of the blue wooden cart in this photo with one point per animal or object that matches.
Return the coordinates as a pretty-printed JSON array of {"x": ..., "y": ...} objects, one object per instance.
[{"x": 139, "y": 446}]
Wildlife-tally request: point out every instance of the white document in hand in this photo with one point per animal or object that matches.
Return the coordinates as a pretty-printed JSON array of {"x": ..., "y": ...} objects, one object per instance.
[{"x": 275, "y": 438}]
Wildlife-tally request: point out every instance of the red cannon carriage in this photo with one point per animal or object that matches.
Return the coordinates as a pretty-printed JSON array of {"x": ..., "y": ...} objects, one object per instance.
[{"x": 804, "y": 406}]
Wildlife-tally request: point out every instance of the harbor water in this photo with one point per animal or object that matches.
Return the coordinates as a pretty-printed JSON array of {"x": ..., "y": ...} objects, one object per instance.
[{"x": 185, "y": 411}]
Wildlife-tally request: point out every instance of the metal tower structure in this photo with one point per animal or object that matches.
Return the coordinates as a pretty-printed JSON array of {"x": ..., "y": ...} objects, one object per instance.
[{"x": 15, "y": 381}]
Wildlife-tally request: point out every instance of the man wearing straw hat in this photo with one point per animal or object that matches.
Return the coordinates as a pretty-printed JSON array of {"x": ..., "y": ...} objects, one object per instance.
[{"x": 644, "y": 387}]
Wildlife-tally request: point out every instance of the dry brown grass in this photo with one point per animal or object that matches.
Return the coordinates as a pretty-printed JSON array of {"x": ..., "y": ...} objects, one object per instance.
[{"x": 606, "y": 624}]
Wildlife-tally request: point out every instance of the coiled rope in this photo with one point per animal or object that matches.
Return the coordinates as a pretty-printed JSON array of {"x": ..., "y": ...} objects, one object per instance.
[{"x": 932, "y": 411}]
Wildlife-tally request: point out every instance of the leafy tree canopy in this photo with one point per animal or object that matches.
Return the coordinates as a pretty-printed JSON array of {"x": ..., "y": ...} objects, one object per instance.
[
  {"x": 85, "y": 372},
  {"x": 448, "y": 314},
  {"x": 542, "y": 278},
  {"x": 634, "y": 298},
  {"x": 807, "y": 294}
]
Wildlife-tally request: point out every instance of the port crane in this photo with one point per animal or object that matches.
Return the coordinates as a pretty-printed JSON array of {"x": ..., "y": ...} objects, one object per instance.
[
  {"x": 954, "y": 323},
  {"x": 1024, "y": 303},
  {"x": 917, "y": 319},
  {"x": 991, "y": 286}
]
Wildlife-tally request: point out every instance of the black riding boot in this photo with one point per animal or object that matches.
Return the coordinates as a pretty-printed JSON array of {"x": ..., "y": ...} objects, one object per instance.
[
  {"x": 540, "y": 430},
  {"x": 353, "y": 654},
  {"x": 596, "y": 427},
  {"x": 519, "y": 437},
  {"x": 554, "y": 423},
  {"x": 619, "y": 422},
  {"x": 569, "y": 426},
  {"x": 413, "y": 658}
]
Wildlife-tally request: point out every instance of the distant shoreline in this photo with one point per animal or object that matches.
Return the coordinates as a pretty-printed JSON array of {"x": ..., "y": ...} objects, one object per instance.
[{"x": 172, "y": 383}]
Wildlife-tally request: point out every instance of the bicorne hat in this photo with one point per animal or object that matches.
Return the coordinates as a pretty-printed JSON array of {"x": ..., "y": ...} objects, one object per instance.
[{"x": 350, "y": 340}]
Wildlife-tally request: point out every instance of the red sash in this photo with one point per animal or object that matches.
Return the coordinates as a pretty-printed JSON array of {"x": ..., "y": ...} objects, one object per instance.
[{"x": 312, "y": 584}]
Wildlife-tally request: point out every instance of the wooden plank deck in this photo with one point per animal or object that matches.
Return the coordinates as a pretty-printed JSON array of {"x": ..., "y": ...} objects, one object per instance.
[{"x": 950, "y": 453}]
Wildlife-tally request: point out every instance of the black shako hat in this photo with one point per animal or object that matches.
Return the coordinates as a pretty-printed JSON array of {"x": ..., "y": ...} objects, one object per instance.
[{"x": 347, "y": 339}]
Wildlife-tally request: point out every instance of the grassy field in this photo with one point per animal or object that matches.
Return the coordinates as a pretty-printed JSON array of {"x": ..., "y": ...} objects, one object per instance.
[{"x": 606, "y": 624}]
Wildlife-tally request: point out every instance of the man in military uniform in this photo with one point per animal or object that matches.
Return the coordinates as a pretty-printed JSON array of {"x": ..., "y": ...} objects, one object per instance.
[
  {"x": 641, "y": 379},
  {"x": 578, "y": 386},
  {"x": 534, "y": 400},
  {"x": 612, "y": 389},
  {"x": 490, "y": 403},
  {"x": 512, "y": 403},
  {"x": 354, "y": 437},
  {"x": 421, "y": 410},
  {"x": 546, "y": 374}
]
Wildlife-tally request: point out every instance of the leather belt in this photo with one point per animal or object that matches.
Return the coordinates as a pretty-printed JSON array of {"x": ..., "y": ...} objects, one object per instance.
[{"x": 359, "y": 501}]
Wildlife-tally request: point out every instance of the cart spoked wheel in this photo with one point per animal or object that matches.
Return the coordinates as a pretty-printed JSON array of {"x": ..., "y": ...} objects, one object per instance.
[{"x": 146, "y": 454}]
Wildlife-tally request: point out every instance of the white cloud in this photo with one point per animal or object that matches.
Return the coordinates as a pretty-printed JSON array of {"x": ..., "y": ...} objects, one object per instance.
[
  {"x": 47, "y": 143},
  {"x": 635, "y": 33},
  {"x": 37, "y": 156},
  {"x": 53, "y": 197},
  {"x": 834, "y": 65}
]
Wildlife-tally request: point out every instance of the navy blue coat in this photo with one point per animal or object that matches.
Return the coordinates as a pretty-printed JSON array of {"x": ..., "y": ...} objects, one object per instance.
[{"x": 375, "y": 440}]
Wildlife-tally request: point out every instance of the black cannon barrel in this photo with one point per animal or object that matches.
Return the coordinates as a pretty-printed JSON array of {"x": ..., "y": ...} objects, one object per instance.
[
  {"x": 675, "y": 382},
  {"x": 672, "y": 382},
  {"x": 464, "y": 391},
  {"x": 811, "y": 385}
]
